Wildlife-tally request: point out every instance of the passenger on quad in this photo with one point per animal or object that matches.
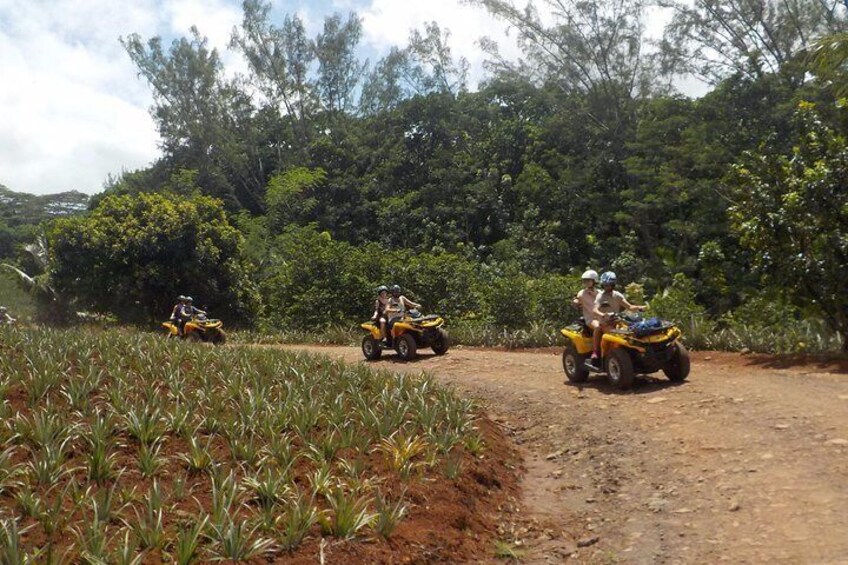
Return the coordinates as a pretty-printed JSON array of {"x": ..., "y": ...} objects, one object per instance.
[
  {"x": 380, "y": 304},
  {"x": 396, "y": 308},
  {"x": 184, "y": 311},
  {"x": 5, "y": 318},
  {"x": 585, "y": 299},
  {"x": 607, "y": 303}
]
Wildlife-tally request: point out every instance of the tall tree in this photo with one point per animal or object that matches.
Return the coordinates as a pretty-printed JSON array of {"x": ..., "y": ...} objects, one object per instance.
[
  {"x": 205, "y": 121},
  {"x": 718, "y": 38},
  {"x": 598, "y": 49},
  {"x": 339, "y": 70},
  {"x": 279, "y": 59},
  {"x": 384, "y": 87},
  {"x": 435, "y": 69}
]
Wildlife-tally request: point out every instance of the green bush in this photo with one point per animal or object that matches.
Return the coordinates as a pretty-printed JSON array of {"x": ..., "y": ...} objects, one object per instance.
[
  {"x": 552, "y": 296},
  {"x": 509, "y": 300},
  {"x": 677, "y": 303},
  {"x": 132, "y": 255},
  {"x": 314, "y": 282}
]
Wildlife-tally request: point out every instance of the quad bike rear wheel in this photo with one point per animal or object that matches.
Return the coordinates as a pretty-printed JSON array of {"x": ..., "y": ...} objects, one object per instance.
[
  {"x": 406, "y": 347},
  {"x": 441, "y": 342},
  {"x": 620, "y": 369},
  {"x": 371, "y": 348},
  {"x": 574, "y": 364},
  {"x": 677, "y": 368}
]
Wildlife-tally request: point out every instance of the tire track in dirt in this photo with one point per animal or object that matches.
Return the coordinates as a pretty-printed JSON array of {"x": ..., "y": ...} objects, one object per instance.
[{"x": 742, "y": 464}]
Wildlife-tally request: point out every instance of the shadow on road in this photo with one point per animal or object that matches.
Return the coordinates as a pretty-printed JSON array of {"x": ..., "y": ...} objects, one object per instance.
[
  {"x": 643, "y": 384},
  {"x": 394, "y": 358},
  {"x": 832, "y": 363}
]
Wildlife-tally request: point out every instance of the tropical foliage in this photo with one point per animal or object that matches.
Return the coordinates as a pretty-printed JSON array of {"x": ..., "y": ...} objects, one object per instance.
[{"x": 486, "y": 203}]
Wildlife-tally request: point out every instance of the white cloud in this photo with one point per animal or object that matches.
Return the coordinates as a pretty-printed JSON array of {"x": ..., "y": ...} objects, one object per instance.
[
  {"x": 72, "y": 109},
  {"x": 388, "y": 22}
]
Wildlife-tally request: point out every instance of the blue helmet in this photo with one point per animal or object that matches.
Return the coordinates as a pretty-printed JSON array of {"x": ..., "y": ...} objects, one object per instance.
[{"x": 608, "y": 278}]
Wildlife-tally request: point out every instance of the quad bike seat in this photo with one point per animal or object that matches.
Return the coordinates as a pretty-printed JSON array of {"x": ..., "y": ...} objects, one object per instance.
[{"x": 581, "y": 326}]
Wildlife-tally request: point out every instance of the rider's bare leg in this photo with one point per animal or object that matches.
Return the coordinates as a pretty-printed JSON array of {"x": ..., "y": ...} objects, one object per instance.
[{"x": 597, "y": 332}]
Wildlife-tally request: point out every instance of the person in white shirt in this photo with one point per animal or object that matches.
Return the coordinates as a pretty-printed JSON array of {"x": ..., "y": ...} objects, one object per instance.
[
  {"x": 607, "y": 303},
  {"x": 585, "y": 299}
]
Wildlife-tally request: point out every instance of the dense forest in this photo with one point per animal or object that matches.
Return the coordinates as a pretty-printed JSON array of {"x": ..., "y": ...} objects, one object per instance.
[{"x": 284, "y": 195}]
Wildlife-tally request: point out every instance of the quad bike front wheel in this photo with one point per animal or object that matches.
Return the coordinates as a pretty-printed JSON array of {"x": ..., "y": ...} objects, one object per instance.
[
  {"x": 620, "y": 369},
  {"x": 371, "y": 348},
  {"x": 193, "y": 337},
  {"x": 677, "y": 367},
  {"x": 441, "y": 342},
  {"x": 406, "y": 347},
  {"x": 220, "y": 338},
  {"x": 574, "y": 365}
]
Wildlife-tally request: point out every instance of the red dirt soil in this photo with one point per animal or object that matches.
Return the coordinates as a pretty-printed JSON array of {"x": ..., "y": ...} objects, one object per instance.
[
  {"x": 448, "y": 520},
  {"x": 746, "y": 462}
]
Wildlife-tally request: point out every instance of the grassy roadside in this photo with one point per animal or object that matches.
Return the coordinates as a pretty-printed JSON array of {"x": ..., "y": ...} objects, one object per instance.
[{"x": 796, "y": 337}]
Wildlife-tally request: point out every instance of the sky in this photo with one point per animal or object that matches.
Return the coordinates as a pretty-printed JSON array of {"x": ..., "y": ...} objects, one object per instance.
[{"x": 73, "y": 110}]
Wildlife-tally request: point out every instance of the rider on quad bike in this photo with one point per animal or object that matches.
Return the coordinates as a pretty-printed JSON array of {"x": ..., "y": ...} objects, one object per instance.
[
  {"x": 408, "y": 331},
  {"x": 190, "y": 323},
  {"x": 608, "y": 304},
  {"x": 183, "y": 312},
  {"x": 396, "y": 308}
]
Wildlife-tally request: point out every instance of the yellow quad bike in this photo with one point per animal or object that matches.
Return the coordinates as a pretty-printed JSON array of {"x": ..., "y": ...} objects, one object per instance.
[
  {"x": 199, "y": 328},
  {"x": 409, "y": 335},
  {"x": 626, "y": 351}
]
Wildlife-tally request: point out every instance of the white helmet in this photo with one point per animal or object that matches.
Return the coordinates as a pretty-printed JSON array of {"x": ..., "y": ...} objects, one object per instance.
[{"x": 590, "y": 274}]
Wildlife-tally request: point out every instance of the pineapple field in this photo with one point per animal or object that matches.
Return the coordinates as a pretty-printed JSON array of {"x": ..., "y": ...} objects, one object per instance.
[{"x": 121, "y": 447}]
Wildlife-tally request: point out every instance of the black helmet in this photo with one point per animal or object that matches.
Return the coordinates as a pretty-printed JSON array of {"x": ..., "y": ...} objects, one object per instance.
[
  {"x": 181, "y": 298},
  {"x": 395, "y": 288},
  {"x": 189, "y": 299},
  {"x": 382, "y": 288}
]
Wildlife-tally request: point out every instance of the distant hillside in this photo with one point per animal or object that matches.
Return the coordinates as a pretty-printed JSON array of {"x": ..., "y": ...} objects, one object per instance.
[{"x": 19, "y": 208}]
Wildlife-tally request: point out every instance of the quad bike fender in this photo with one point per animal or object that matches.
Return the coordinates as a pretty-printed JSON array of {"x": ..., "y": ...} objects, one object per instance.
[
  {"x": 372, "y": 328},
  {"x": 401, "y": 328},
  {"x": 171, "y": 327},
  {"x": 612, "y": 341},
  {"x": 669, "y": 335},
  {"x": 582, "y": 343},
  {"x": 192, "y": 327},
  {"x": 433, "y": 323}
]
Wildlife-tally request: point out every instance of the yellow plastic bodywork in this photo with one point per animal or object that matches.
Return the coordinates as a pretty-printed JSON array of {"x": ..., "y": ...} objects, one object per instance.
[
  {"x": 614, "y": 339},
  {"x": 403, "y": 326},
  {"x": 191, "y": 326},
  {"x": 668, "y": 335},
  {"x": 582, "y": 343},
  {"x": 373, "y": 329},
  {"x": 611, "y": 341}
]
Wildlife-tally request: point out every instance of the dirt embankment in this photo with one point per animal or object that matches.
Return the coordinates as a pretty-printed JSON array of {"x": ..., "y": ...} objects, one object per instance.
[{"x": 747, "y": 462}]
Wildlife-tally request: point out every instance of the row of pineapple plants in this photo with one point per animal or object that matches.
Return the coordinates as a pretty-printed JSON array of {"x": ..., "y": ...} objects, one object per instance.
[{"x": 125, "y": 447}]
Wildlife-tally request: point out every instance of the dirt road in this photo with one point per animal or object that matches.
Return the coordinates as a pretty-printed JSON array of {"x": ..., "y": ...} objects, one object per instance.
[{"x": 744, "y": 463}]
